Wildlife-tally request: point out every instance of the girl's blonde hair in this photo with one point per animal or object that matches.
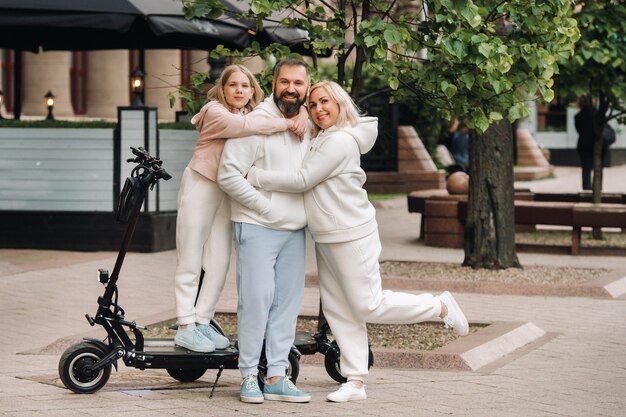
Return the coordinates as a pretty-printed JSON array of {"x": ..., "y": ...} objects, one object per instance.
[
  {"x": 349, "y": 113},
  {"x": 217, "y": 92}
]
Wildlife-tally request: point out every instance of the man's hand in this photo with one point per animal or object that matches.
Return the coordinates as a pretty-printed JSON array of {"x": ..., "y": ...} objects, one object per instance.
[{"x": 299, "y": 123}]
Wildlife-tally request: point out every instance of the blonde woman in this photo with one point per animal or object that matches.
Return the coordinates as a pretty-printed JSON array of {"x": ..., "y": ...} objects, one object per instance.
[
  {"x": 343, "y": 225},
  {"x": 203, "y": 227}
]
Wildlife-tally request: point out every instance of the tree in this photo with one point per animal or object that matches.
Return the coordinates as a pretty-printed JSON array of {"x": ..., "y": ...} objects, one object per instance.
[
  {"x": 478, "y": 59},
  {"x": 598, "y": 68}
]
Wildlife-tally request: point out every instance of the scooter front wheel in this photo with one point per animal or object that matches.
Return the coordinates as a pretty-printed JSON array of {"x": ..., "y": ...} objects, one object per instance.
[
  {"x": 332, "y": 363},
  {"x": 75, "y": 368},
  {"x": 185, "y": 375}
]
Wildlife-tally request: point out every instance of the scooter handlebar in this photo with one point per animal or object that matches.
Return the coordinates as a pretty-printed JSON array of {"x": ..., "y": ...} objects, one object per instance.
[{"x": 151, "y": 163}]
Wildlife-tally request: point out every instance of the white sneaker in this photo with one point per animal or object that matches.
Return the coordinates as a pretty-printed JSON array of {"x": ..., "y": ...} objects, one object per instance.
[
  {"x": 455, "y": 317},
  {"x": 347, "y": 392}
]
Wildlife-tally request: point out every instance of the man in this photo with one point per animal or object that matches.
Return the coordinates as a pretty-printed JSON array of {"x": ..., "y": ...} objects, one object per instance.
[{"x": 269, "y": 239}]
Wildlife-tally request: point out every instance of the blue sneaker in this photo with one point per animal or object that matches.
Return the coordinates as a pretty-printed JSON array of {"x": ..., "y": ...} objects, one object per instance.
[
  {"x": 250, "y": 391},
  {"x": 219, "y": 340},
  {"x": 192, "y": 339},
  {"x": 285, "y": 390}
]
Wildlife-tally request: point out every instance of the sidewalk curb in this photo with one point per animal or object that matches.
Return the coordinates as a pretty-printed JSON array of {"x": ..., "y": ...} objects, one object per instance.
[{"x": 610, "y": 285}]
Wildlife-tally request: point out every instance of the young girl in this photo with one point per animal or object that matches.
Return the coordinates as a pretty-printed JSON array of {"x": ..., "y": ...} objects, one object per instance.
[
  {"x": 343, "y": 225},
  {"x": 203, "y": 227}
]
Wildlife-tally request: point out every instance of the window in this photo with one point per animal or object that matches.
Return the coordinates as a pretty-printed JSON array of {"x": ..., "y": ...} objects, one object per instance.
[
  {"x": 78, "y": 82},
  {"x": 7, "y": 79}
]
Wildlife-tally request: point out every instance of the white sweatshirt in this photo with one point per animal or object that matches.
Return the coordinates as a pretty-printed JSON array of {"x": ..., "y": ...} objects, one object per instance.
[
  {"x": 336, "y": 204},
  {"x": 279, "y": 152}
]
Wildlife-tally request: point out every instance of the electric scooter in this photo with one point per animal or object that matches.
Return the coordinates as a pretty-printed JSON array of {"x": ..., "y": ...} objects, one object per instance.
[{"x": 85, "y": 367}]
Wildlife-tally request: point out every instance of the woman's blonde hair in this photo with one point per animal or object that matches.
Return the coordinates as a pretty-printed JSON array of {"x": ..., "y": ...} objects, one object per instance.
[
  {"x": 349, "y": 113},
  {"x": 217, "y": 92}
]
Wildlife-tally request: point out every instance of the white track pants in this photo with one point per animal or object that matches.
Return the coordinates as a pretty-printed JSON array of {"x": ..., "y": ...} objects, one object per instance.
[
  {"x": 351, "y": 293},
  {"x": 203, "y": 241}
]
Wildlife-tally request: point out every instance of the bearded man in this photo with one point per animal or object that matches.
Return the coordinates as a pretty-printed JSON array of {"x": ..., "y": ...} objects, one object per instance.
[{"x": 269, "y": 240}]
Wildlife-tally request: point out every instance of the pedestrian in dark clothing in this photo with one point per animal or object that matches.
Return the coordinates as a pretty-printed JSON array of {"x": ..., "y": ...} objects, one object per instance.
[{"x": 586, "y": 138}]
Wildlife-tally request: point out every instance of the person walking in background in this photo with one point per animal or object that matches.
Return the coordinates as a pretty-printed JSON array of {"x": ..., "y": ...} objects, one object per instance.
[
  {"x": 203, "y": 227},
  {"x": 342, "y": 222},
  {"x": 459, "y": 147},
  {"x": 583, "y": 120},
  {"x": 269, "y": 240}
]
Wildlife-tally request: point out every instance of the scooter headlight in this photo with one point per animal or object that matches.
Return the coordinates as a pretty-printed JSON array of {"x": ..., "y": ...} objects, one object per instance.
[{"x": 103, "y": 276}]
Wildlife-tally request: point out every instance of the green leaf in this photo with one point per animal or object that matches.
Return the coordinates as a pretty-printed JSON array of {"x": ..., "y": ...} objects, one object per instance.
[
  {"x": 468, "y": 79},
  {"x": 448, "y": 89},
  {"x": 481, "y": 123},
  {"x": 495, "y": 116},
  {"x": 370, "y": 41},
  {"x": 392, "y": 36},
  {"x": 485, "y": 49}
]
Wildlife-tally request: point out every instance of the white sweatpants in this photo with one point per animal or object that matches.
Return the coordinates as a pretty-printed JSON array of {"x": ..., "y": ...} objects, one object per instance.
[
  {"x": 351, "y": 293},
  {"x": 203, "y": 241}
]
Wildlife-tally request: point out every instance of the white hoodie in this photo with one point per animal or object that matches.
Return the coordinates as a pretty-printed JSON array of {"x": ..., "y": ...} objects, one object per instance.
[
  {"x": 281, "y": 152},
  {"x": 335, "y": 202}
]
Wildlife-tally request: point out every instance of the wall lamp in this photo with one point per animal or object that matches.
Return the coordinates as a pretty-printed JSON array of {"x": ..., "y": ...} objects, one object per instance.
[
  {"x": 137, "y": 86},
  {"x": 49, "y": 104}
]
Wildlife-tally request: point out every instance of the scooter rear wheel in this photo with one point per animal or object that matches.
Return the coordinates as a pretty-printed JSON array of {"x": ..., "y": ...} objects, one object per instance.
[
  {"x": 75, "y": 368},
  {"x": 292, "y": 371},
  {"x": 185, "y": 375},
  {"x": 333, "y": 365}
]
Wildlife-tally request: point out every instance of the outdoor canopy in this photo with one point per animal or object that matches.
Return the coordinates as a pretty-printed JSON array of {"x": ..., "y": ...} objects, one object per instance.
[
  {"x": 75, "y": 25},
  {"x": 35, "y": 25}
]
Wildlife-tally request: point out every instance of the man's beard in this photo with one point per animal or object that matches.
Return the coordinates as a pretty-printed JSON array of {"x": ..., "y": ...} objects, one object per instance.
[{"x": 287, "y": 107}]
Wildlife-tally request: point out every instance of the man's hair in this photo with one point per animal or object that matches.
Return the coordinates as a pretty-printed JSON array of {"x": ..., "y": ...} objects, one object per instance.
[{"x": 292, "y": 62}]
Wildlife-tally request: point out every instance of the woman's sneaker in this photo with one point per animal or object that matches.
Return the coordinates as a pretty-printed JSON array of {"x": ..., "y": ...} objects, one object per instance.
[
  {"x": 250, "y": 391},
  {"x": 219, "y": 340},
  {"x": 347, "y": 392},
  {"x": 455, "y": 318},
  {"x": 192, "y": 338},
  {"x": 285, "y": 390}
]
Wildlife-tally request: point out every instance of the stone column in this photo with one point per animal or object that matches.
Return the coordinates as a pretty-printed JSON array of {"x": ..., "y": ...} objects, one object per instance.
[
  {"x": 108, "y": 83},
  {"x": 42, "y": 72},
  {"x": 162, "y": 76}
]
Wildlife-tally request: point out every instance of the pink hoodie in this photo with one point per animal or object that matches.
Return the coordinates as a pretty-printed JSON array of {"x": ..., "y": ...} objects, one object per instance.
[{"x": 216, "y": 124}]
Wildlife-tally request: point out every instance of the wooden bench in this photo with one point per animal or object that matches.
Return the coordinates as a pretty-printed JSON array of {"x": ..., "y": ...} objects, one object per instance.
[
  {"x": 443, "y": 215},
  {"x": 558, "y": 213},
  {"x": 595, "y": 215}
]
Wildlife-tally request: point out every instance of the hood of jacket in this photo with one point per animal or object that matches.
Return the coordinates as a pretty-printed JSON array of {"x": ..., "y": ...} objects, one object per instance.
[{"x": 364, "y": 133}]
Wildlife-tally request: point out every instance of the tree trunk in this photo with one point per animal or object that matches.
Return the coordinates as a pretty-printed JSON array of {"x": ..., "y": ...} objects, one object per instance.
[{"x": 490, "y": 224}]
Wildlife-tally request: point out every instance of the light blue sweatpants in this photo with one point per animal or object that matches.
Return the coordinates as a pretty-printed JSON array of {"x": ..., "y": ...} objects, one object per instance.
[{"x": 270, "y": 284}]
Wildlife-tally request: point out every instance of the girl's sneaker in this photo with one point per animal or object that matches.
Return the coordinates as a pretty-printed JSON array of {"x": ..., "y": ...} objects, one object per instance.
[
  {"x": 219, "y": 340},
  {"x": 193, "y": 339}
]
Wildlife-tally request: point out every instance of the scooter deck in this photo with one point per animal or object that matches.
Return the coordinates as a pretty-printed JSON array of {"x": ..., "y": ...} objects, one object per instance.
[
  {"x": 167, "y": 346},
  {"x": 163, "y": 353}
]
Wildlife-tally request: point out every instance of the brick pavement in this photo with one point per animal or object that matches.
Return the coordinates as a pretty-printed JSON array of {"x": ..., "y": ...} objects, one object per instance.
[{"x": 580, "y": 371}]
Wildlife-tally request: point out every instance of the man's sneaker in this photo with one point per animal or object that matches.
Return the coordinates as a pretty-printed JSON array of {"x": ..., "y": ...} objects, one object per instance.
[
  {"x": 250, "y": 391},
  {"x": 347, "y": 392},
  {"x": 193, "y": 339},
  {"x": 455, "y": 317},
  {"x": 285, "y": 390},
  {"x": 219, "y": 340}
]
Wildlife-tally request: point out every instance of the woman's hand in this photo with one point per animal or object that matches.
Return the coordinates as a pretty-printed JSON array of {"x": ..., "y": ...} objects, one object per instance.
[{"x": 299, "y": 123}]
